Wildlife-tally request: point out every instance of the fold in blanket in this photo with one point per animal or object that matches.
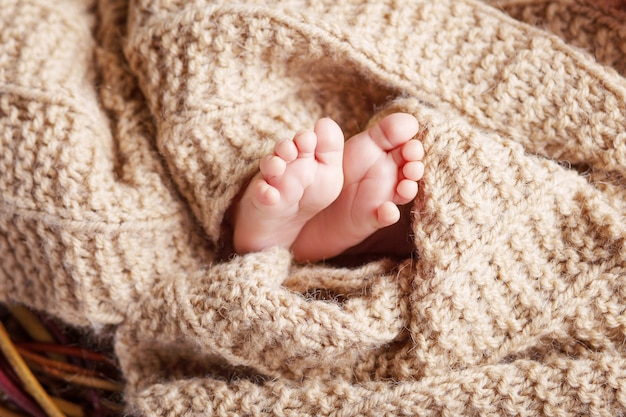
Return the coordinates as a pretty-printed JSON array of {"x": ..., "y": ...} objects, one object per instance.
[{"x": 128, "y": 129}]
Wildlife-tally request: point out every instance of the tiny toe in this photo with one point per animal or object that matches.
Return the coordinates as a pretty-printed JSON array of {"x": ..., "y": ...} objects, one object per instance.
[
  {"x": 413, "y": 170},
  {"x": 265, "y": 194},
  {"x": 387, "y": 214},
  {"x": 406, "y": 191},
  {"x": 305, "y": 141},
  {"x": 413, "y": 150},
  {"x": 287, "y": 150},
  {"x": 272, "y": 166}
]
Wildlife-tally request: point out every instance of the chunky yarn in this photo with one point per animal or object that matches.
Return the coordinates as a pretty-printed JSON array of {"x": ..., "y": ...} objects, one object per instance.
[{"x": 127, "y": 129}]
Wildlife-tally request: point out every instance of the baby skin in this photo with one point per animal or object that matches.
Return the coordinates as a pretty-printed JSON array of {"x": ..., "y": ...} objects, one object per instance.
[{"x": 318, "y": 196}]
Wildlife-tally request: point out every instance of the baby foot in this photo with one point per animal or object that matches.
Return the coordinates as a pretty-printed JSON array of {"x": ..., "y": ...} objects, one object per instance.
[
  {"x": 381, "y": 168},
  {"x": 301, "y": 178}
]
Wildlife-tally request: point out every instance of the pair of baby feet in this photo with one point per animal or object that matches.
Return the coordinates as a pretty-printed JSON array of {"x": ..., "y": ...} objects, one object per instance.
[{"x": 318, "y": 196}]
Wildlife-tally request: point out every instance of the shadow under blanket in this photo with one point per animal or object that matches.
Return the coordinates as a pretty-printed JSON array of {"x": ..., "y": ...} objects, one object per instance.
[{"x": 127, "y": 129}]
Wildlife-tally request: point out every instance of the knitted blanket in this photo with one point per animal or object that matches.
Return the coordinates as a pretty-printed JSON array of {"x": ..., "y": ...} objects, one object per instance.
[{"x": 127, "y": 129}]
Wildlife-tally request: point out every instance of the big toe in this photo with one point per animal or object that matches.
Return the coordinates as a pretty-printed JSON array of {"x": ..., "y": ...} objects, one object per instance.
[
  {"x": 330, "y": 141},
  {"x": 394, "y": 130}
]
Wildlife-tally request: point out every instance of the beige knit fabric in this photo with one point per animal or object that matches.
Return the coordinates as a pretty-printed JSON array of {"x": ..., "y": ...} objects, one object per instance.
[{"x": 127, "y": 128}]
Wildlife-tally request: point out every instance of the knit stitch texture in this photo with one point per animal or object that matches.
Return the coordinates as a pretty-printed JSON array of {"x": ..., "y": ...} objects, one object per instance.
[{"x": 128, "y": 127}]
